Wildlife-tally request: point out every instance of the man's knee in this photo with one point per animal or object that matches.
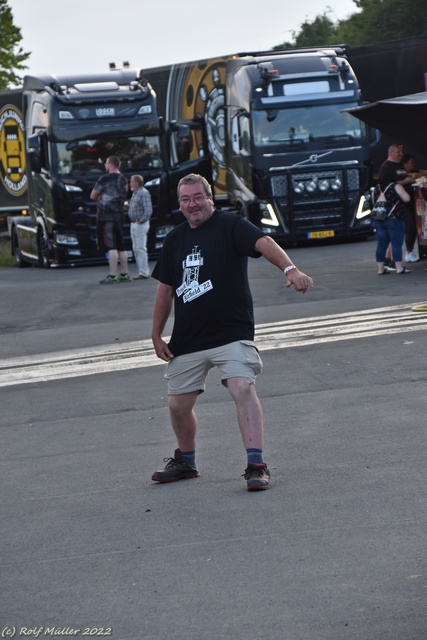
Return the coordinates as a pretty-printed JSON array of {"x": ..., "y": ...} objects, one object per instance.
[
  {"x": 240, "y": 386},
  {"x": 183, "y": 403}
]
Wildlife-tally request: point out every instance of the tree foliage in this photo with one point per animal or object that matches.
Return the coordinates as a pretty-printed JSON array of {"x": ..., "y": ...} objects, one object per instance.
[
  {"x": 374, "y": 21},
  {"x": 313, "y": 34},
  {"x": 12, "y": 56}
]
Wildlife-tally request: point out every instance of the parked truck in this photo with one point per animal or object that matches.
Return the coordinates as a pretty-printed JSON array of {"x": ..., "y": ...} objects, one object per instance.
[
  {"x": 284, "y": 152},
  {"x": 55, "y": 135}
]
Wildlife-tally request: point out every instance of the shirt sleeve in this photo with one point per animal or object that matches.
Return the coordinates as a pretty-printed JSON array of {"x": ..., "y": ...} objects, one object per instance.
[
  {"x": 245, "y": 237},
  {"x": 99, "y": 185},
  {"x": 140, "y": 207}
]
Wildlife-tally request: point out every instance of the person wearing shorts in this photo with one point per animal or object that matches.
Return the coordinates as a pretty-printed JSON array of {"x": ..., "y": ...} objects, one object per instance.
[
  {"x": 188, "y": 373},
  {"x": 110, "y": 193},
  {"x": 110, "y": 236},
  {"x": 202, "y": 273}
]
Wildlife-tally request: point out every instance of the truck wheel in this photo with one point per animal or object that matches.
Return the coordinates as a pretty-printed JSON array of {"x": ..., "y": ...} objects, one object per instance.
[
  {"x": 20, "y": 263},
  {"x": 43, "y": 248}
]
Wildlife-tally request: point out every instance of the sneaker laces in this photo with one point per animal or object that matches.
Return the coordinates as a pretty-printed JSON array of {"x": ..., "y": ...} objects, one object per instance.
[
  {"x": 171, "y": 462},
  {"x": 255, "y": 471}
]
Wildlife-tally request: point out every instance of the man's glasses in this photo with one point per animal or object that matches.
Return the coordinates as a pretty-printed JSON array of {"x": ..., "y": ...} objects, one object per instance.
[{"x": 185, "y": 200}]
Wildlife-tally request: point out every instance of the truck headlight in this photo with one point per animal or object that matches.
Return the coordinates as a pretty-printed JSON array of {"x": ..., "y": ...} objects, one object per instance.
[
  {"x": 363, "y": 210},
  {"x": 66, "y": 238}
]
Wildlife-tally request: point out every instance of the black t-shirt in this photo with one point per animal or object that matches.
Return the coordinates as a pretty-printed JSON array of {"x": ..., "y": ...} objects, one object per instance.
[
  {"x": 391, "y": 172},
  {"x": 113, "y": 189},
  {"x": 207, "y": 268}
]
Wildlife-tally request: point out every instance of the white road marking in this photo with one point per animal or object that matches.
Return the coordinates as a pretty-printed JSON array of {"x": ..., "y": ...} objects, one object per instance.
[{"x": 273, "y": 335}]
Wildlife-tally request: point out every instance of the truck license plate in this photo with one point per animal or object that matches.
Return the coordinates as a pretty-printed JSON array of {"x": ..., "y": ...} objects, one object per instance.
[{"x": 321, "y": 234}]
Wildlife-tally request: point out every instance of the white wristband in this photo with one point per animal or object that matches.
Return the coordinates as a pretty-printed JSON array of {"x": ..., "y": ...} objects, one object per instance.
[{"x": 291, "y": 266}]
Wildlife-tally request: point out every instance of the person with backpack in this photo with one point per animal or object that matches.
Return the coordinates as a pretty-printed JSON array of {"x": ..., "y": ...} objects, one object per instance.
[
  {"x": 391, "y": 230},
  {"x": 393, "y": 170}
]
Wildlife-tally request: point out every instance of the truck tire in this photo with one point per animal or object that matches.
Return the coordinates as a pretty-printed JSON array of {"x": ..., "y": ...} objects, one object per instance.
[
  {"x": 20, "y": 263},
  {"x": 43, "y": 248}
]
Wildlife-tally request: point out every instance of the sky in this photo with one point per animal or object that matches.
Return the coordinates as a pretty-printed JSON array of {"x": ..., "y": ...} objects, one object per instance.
[{"x": 84, "y": 36}]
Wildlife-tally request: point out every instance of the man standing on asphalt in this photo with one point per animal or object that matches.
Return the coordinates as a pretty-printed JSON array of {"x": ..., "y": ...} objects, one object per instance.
[
  {"x": 202, "y": 271},
  {"x": 140, "y": 211},
  {"x": 110, "y": 193}
]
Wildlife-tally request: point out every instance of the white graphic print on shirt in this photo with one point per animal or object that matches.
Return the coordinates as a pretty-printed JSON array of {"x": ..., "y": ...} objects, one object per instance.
[{"x": 190, "y": 287}]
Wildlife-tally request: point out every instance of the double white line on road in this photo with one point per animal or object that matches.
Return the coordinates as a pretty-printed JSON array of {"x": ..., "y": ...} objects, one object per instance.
[
  {"x": 340, "y": 326},
  {"x": 274, "y": 335}
]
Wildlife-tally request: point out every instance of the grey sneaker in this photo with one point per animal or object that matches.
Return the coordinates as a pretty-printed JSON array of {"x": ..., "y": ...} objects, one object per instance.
[
  {"x": 109, "y": 280},
  {"x": 176, "y": 469},
  {"x": 257, "y": 476}
]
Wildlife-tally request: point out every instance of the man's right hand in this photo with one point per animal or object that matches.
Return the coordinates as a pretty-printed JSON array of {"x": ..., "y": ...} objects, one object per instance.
[{"x": 162, "y": 350}]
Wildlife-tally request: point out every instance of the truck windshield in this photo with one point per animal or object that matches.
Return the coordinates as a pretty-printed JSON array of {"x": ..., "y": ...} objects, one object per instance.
[
  {"x": 80, "y": 157},
  {"x": 313, "y": 127}
]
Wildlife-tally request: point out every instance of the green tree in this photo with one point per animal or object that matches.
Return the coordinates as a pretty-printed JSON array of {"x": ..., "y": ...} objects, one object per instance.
[
  {"x": 313, "y": 34},
  {"x": 375, "y": 21},
  {"x": 383, "y": 21},
  {"x": 12, "y": 56}
]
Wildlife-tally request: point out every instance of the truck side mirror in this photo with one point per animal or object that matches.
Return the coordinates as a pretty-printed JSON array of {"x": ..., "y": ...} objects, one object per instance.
[
  {"x": 33, "y": 143},
  {"x": 183, "y": 149},
  {"x": 33, "y": 153}
]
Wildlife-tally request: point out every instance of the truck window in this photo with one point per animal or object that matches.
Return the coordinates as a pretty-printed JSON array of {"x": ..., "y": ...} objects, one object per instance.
[
  {"x": 241, "y": 139},
  {"x": 307, "y": 127},
  {"x": 245, "y": 138},
  {"x": 88, "y": 156}
]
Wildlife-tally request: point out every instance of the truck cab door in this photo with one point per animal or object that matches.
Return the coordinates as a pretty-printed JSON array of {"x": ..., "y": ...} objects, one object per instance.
[
  {"x": 240, "y": 168},
  {"x": 41, "y": 197},
  {"x": 40, "y": 178}
]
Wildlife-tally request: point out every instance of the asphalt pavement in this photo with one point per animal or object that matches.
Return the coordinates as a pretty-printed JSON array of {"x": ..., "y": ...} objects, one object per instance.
[{"x": 335, "y": 550}]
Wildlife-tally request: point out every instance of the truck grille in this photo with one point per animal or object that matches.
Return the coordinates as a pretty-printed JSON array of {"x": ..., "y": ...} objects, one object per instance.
[{"x": 317, "y": 199}]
